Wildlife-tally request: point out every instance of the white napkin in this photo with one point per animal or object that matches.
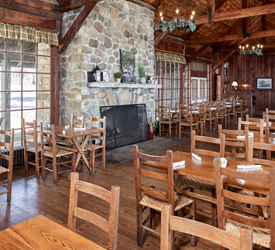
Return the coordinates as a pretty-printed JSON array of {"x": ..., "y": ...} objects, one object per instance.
[
  {"x": 242, "y": 137},
  {"x": 79, "y": 129},
  {"x": 269, "y": 124},
  {"x": 223, "y": 162},
  {"x": 248, "y": 167},
  {"x": 179, "y": 165},
  {"x": 63, "y": 132},
  {"x": 196, "y": 157},
  {"x": 240, "y": 181},
  {"x": 67, "y": 127}
]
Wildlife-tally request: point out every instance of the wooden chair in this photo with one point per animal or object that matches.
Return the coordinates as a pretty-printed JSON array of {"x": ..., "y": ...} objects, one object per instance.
[
  {"x": 231, "y": 221},
  {"x": 238, "y": 150},
  {"x": 109, "y": 226},
  {"x": 269, "y": 136},
  {"x": 31, "y": 146},
  {"x": 210, "y": 115},
  {"x": 171, "y": 223},
  {"x": 76, "y": 122},
  {"x": 186, "y": 119},
  {"x": 269, "y": 112},
  {"x": 257, "y": 126},
  {"x": 53, "y": 153},
  {"x": 9, "y": 145},
  {"x": 154, "y": 197},
  {"x": 102, "y": 137},
  {"x": 165, "y": 118},
  {"x": 195, "y": 183}
]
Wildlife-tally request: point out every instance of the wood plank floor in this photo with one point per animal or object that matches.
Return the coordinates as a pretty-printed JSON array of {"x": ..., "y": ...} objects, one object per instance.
[{"x": 32, "y": 196}]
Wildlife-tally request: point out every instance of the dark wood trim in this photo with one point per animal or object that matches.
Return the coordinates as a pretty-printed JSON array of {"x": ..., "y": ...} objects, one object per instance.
[
  {"x": 198, "y": 74},
  {"x": 143, "y": 4},
  {"x": 75, "y": 26},
  {"x": 25, "y": 19},
  {"x": 160, "y": 37},
  {"x": 196, "y": 54},
  {"x": 265, "y": 33},
  {"x": 74, "y": 4},
  {"x": 160, "y": 5},
  {"x": 31, "y": 10},
  {"x": 222, "y": 60}
]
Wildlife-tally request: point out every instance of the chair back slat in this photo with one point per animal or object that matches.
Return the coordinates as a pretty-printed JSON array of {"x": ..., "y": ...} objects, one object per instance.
[
  {"x": 219, "y": 141},
  {"x": 170, "y": 223},
  {"x": 112, "y": 197}
]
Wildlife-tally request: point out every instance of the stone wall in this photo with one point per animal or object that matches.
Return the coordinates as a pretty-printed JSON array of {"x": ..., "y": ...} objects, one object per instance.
[{"x": 111, "y": 26}]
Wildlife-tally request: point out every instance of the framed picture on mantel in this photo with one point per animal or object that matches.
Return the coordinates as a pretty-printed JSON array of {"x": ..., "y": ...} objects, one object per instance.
[
  {"x": 264, "y": 83},
  {"x": 127, "y": 64}
]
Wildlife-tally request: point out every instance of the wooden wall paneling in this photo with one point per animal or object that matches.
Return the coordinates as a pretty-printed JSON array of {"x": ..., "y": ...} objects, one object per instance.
[
  {"x": 25, "y": 19},
  {"x": 181, "y": 84}
]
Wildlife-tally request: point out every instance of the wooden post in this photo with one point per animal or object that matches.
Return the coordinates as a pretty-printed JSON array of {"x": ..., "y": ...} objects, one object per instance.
[{"x": 218, "y": 88}]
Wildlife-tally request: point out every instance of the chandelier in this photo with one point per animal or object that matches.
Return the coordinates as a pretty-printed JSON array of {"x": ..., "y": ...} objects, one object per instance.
[
  {"x": 178, "y": 24},
  {"x": 244, "y": 50}
]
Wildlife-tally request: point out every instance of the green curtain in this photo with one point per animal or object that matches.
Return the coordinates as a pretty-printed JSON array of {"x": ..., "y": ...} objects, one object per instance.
[
  {"x": 28, "y": 34},
  {"x": 167, "y": 57}
]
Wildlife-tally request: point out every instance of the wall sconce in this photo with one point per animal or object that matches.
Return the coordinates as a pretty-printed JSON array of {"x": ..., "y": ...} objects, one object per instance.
[{"x": 234, "y": 84}]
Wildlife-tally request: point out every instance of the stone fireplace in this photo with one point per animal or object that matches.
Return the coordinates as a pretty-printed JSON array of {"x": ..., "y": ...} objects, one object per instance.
[{"x": 111, "y": 26}]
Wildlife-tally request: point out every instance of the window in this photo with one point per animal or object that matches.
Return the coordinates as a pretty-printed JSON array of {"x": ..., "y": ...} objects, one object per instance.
[
  {"x": 199, "y": 89},
  {"x": 24, "y": 84},
  {"x": 168, "y": 74}
]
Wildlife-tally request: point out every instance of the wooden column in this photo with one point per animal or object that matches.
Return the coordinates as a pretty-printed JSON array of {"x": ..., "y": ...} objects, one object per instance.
[{"x": 218, "y": 87}]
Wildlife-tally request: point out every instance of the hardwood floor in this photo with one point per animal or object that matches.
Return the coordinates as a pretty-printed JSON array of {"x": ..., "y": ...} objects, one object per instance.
[{"x": 32, "y": 196}]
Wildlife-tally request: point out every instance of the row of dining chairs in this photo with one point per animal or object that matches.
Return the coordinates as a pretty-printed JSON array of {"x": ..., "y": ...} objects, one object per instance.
[
  {"x": 196, "y": 116},
  {"x": 225, "y": 148},
  {"x": 49, "y": 154}
]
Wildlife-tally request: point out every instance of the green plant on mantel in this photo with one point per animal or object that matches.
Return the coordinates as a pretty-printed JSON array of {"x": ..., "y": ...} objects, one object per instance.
[
  {"x": 141, "y": 71},
  {"x": 155, "y": 124},
  {"x": 181, "y": 24},
  {"x": 118, "y": 75}
]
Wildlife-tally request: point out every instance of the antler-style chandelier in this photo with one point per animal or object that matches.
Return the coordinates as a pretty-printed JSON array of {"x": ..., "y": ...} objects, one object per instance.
[
  {"x": 244, "y": 50},
  {"x": 178, "y": 24}
]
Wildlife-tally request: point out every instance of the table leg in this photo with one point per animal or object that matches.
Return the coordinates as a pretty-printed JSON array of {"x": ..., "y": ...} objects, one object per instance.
[{"x": 80, "y": 150}]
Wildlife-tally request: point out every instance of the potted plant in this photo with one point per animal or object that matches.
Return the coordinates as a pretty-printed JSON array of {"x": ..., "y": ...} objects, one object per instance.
[
  {"x": 152, "y": 126},
  {"x": 118, "y": 76},
  {"x": 141, "y": 74}
]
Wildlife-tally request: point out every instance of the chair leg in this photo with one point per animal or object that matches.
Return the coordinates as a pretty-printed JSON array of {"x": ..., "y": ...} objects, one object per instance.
[
  {"x": 179, "y": 130},
  {"x": 54, "y": 171},
  {"x": 159, "y": 129},
  {"x": 37, "y": 164},
  {"x": 193, "y": 211},
  {"x": 139, "y": 226},
  {"x": 26, "y": 161},
  {"x": 152, "y": 219},
  {"x": 103, "y": 158},
  {"x": 73, "y": 162},
  {"x": 93, "y": 161},
  {"x": 9, "y": 186},
  {"x": 43, "y": 166},
  {"x": 214, "y": 209}
]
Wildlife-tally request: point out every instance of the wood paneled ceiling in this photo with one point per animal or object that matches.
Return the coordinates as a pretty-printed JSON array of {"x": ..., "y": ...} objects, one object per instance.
[{"x": 227, "y": 30}]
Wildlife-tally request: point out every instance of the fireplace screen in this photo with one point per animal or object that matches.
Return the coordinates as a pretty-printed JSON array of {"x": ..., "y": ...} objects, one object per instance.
[{"x": 126, "y": 124}]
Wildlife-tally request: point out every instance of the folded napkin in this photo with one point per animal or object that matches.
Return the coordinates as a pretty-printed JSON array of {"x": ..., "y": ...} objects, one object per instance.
[
  {"x": 240, "y": 181},
  {"x": 196, "y": 157},
  {"x": 63, "y": 132},
  {"x": 269, "y": 124},
  {"x": 79, "y": 129},
  {"x": 248, "y": 167},
  {"x": 223, "y": 162},
  {"x": 242, "y": 137},
  {"x": 67, "y": 127},
  {"x": 179, "y": 165}
]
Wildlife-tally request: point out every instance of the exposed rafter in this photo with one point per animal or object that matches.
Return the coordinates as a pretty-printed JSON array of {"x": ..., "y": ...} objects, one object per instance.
[
  {"x": 259, "y": 34},
  {"x": 204, "y": 47},
  {"x": 224, "y": 59},
  {"x": 160, "y": 37},
  {"x": 74, "y": 4},
  {"x": 75, "y": 26}
]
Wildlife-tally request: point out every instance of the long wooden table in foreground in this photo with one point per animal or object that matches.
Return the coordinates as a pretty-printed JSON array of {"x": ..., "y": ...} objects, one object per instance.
[{"x": 40, "y": 233}]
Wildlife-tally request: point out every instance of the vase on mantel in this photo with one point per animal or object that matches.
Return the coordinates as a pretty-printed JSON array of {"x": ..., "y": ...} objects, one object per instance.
[
  {"x": 142, "y": 80},
  {"x": 118, "y": 80}
]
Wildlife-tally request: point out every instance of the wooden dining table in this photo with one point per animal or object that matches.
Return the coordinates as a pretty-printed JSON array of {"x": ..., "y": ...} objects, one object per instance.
[
  {"x": 41, "y": 233},
  {"x": 73, "y": 134}
]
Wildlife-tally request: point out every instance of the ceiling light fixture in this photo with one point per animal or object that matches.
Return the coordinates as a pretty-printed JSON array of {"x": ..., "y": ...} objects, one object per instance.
[{"x": 244, "y": 50}]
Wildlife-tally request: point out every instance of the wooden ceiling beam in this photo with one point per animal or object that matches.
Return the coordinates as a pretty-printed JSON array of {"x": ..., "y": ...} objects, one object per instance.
[
  {"x": 204, "y": 47},
  {"x": 234, "y": 14},
  {"x": 230, "y": 48},
  {"x": 30, "y": 10},
  {"x": 159, "y": 6},
  {"x": 160, "y": 37},
  {"x": 143, "y": 4},
  {"x": 233, "y": 37},
  {"x": 74, "y": 4},
  {"x": 244, "y": 20},
  {"x": 224, "y": 59},
  {"x": 75, "y": 26}
]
